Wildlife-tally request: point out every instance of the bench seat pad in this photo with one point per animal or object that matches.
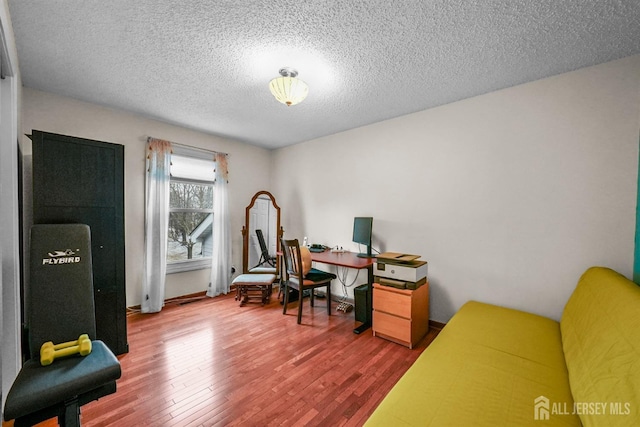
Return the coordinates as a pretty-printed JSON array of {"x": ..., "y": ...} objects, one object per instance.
[
  {"x": 38, "y": 387},
  {"x": 262, "y": 270},
  {"x": 254, "y": 279}
]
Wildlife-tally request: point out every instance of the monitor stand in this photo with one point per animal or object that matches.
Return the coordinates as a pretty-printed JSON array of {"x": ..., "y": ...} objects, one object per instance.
[{"x": 366, "y": 254}]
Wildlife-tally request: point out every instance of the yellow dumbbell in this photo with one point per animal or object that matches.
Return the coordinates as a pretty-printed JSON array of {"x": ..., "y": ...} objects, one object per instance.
[{"x": 50, "y": 351}]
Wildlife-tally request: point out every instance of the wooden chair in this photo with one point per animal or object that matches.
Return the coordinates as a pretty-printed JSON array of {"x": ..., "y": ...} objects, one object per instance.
[{"x": 313, "y": 279}]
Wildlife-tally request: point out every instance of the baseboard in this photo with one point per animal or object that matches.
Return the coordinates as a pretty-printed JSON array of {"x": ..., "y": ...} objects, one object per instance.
[
  {"x": 174, "y": 300},
  {"x": 183, "y": 299},
  {"x": 436, "y": 325},
  {"x": 188, "y": 296},
  {"x": 335, "y": 298},
  {"x": 432, "y": 323}
]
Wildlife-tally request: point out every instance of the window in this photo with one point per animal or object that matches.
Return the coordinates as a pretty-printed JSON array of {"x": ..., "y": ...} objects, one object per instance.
[{"x": 190, "y": 214}]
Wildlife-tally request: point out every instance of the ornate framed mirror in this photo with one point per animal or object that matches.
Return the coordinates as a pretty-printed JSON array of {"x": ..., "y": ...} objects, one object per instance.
[{"x": 261, "y": 234}]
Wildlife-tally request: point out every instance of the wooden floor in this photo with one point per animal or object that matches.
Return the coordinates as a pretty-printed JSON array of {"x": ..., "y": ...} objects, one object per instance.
[{"x": 211, "y": 362}]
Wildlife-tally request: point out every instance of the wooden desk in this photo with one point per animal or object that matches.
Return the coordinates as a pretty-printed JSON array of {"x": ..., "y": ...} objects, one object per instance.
[{"x": 351, "y": 260}]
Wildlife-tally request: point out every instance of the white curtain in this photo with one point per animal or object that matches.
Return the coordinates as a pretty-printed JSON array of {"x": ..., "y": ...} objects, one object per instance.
[
  {"x": 221, "y": 257},
  {"x": 156, "y": 225}
]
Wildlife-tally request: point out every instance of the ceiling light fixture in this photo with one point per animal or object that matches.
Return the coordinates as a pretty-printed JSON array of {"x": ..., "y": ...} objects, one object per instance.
[{"x": 287, "y": 88}]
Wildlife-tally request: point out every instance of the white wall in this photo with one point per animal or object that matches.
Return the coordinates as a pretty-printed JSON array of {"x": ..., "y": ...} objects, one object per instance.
[
  {"x": 510, "y": 196},
  {"x": 9, "y": 227},
  {"x": 249, "y": 169}
]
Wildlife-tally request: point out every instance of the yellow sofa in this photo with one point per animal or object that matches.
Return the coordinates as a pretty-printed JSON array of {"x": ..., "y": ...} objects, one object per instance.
[{"x": 494, "y": 366}]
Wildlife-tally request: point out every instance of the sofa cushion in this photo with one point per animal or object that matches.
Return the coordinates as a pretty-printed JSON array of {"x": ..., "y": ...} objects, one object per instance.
[
  {"x": 486, "y": 368},
  {"x": 601, "y": 338}
]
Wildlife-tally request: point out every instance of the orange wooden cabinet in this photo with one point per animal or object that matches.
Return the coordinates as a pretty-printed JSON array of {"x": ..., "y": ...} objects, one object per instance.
[{"x": 401, "y": 315}]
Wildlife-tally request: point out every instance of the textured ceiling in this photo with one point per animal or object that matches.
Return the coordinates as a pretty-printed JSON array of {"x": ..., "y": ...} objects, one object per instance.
[{"x": 206, "y": 65}]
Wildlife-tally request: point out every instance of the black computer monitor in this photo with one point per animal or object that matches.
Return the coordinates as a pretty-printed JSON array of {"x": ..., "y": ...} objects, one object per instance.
[{"x": 362, "y": 227}]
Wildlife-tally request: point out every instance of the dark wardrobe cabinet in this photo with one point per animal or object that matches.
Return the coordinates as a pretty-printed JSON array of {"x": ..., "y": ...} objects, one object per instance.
[{"x": 82, "y": 181}]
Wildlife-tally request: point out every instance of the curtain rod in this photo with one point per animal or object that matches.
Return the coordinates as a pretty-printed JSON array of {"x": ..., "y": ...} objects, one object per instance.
[{"x": 190, "y": 147}]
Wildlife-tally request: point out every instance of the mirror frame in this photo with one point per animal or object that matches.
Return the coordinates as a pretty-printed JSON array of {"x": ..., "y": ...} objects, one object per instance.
[{"x": 245, "y": 230}]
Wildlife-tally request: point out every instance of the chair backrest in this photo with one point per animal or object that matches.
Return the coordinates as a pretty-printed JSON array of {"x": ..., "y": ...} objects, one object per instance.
[
  {"x": 292, "y": 257},
  {"x": 263, "y": 244},
  {"x": 60, "y": 292}
]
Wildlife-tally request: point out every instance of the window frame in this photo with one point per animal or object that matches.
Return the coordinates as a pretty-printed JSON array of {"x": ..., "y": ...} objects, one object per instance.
[{"x": 188, "y": 264}]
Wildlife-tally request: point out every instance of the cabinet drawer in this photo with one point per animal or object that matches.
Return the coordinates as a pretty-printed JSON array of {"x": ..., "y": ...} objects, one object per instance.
[
  {"x": 392, "y": 326},
  {"x": 392, "y": 303}
]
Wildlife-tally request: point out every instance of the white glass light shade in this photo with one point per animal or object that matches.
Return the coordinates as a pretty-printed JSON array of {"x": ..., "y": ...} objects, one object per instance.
[{"x": 289, "y": 90}]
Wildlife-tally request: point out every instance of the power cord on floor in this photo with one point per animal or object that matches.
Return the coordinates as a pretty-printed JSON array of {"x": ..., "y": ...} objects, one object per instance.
[{"x": 345, "y": 307}]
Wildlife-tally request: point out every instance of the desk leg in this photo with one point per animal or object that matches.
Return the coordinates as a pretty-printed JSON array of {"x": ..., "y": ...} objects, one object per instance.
[{"x": 367, "y": 324}]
